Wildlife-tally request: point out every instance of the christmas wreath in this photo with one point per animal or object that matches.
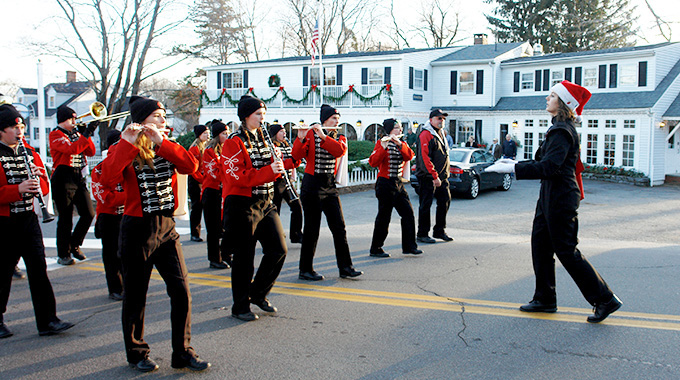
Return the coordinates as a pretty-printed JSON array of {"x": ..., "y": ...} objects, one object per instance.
[{"x": 274, "y": 80}]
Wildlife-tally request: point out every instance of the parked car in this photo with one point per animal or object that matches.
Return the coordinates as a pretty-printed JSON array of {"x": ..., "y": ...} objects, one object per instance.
[{"x": 467, "y": 175}]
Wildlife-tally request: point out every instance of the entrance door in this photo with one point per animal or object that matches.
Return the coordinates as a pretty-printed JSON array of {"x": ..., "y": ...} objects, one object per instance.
[
  {"x": 504, "y": 131},
  {"x": 673, "y": 154}
]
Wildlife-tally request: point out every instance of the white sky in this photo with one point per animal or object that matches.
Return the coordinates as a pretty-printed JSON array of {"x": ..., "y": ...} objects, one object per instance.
[{"x": 29, "y": 20}]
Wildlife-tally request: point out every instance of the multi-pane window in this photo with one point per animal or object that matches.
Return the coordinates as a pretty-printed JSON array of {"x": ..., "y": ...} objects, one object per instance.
[
  {"x": 528, "y": 145},
  {"x": 628, "y": 150},
  {"x": 527, "y": 81},
  {"x": 591, "y": 149},
  {"x": 628, "y": 74},
  {"x": 541, "y": 137},
  {"x": 467, "y": 82},
  {"x": 50, "y": 102},
  {"x": 543, "y": 123},
  {"x": 465, "y": 128},
  {"x": 592, "y": 123},
  {"x": 418, "y": 79},
  {"x": 629, "y": 123},
  {"x": 590, "y": 77},
  {"x": 232, "y": 80},
  {"x": 557, "y": 77},
  {"x": 329, "y": 76},
  {"x": 528, "y": 123},
  {"x": 609, "y": 149},
  {"x": 375, "y": 75},
  {"x": 610, "y": 123}
]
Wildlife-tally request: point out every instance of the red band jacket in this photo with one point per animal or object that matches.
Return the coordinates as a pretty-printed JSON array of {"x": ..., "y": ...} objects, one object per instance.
[
  {"x": 212, "y": 170},
  {"x": 9, "y": 193},
  {"x": 63, "y": 150},
  {"x": 109, "y": 199},
  {"x": 198, "y": 175},
  {"x": 380, "y": 159},
  {"x": 306, "y": 149}
]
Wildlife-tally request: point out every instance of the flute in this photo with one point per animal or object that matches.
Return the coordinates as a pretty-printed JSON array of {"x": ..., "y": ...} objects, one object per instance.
[
  {"x": 289, "y": 185},
  {"x": 43, "y": 206},
  {"x": 389, "y": 137}
]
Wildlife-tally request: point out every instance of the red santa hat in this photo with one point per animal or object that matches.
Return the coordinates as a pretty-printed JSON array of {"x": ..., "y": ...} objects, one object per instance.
[{"x": 573, "y": 95}]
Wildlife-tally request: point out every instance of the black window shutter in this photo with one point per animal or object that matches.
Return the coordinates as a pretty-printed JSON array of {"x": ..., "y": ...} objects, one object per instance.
[
  {"x": 480, "y": 81},
  {"x": 410, "y": 77},
  {"x": 452, "y": 130},
  {"x": 305, "y": 76},
  {"x": 546, "y": 80},
  {"x": 219, "y": 80},
  {"x": 602, "y": 77},
  {"x": 478, "y": 131},
  {"x": 245, "y": 78},
  {"x": 537, "y": 80},
  {"x": 577, "y": 75},
  {"x": 642, "y": 74},
  {"x": 567, "y": 74},
  {"x": 515, "y": 86},
  {"x": 338, "y": 75},
  {"x": 364, "y": 76},
  {"x": 425, "y": 79},
  {"x": 454, "y": 82},
  {"x": 388, "y": 75},
  {"x": 613, "y": 73}
]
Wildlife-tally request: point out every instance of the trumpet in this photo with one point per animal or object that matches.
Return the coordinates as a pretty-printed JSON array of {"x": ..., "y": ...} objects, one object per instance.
[
  {"x": 98, "y": 112},
  {"x": 389, "y": 137}
]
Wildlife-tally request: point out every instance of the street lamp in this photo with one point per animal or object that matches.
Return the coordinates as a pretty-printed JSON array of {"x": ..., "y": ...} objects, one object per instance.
[{"x": 515, "y": 124}]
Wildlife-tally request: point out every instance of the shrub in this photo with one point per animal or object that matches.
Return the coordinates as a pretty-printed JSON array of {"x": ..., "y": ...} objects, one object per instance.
[
  {"x": 186, "y": 139},
  {"x": 613, "y": 170},
  {"x": 358, "y": 150}
]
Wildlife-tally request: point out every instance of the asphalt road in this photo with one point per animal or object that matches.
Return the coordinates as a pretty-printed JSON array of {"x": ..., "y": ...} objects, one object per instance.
[{"x": 450, "y": 313}]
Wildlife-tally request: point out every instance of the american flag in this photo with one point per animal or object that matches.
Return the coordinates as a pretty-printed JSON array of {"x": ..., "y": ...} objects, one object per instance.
[{"x": 315, "y": 41}]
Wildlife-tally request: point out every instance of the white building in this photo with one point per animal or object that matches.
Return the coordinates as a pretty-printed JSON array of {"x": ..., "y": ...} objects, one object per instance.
[{"x": 488, "y": 91}]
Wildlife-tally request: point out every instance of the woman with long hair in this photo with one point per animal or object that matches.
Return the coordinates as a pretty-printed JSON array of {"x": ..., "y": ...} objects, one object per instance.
[
  {"x": 195, "y": 181},
  {"x": 558, "y": 165},
  {"x": 281, "y": 191},
  {"x": 146, "y": 162}
]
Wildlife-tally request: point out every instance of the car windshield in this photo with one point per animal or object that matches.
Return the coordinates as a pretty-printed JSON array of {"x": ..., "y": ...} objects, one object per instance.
[{"x": 457, "y": 155}]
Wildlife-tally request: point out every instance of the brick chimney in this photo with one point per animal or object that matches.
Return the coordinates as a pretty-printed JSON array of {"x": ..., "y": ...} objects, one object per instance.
[
  {"x": 70, "y": 76},
  {"x": 481, "y": 39}
]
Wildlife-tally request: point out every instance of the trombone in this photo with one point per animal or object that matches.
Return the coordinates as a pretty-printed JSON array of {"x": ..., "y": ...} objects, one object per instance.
[{"x": 99, "y": 113}]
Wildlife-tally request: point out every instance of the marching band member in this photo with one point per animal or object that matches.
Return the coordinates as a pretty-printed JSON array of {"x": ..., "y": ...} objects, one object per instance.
[
  {"x": 195, "y": 181},
  {"x": 281, "y": 192},
  {"x": 148, "y": 163},
  {"x": 212, "y": 195},
  {"x": 19, "y": 228},
  {"x": 69, "y": 147},
  {"x": 110, "y": 206},
  {"x": 249, "y": 172},
  {"x": 389, "y": 155},
  {"x": 319, "y": 194}
]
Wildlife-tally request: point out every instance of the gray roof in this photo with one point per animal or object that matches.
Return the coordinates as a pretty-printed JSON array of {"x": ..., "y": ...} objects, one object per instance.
[
  {"x": 674, "y": 109},
  {"x": 587, "y": 53},
  {"x": 29, "y": 91},
  {"x": 479, "y": 52}
]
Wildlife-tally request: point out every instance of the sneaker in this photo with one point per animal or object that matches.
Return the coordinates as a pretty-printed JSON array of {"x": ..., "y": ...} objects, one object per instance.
[
  {"x": 78, "y": 254},
  {"x": 66, "y": 261}
]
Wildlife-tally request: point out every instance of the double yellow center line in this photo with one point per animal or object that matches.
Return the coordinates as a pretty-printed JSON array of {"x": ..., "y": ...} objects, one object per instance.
[{"x": 429, "y": 302}]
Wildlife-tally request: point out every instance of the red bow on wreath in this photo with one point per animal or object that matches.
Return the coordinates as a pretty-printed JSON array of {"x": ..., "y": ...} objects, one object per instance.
[
  {"x": 388, "y": 87},
  {"x": 250, "y": 89},
  {"x": 224, "y": 90},
  {"x": 351, "y": 88},
  {"x": 313, "y": 87},
  {"x": 281, "y": 88}
]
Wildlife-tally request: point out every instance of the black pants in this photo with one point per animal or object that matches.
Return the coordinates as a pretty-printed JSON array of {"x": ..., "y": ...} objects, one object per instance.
[
  {"x": 21, "y": 237},
  {"x": 68, "y": 190},
  {"x": 280, "y": 194},
  {"x": 247, "y": 221},
  {"x": 428, "y": 193},
  {"x": 319, "y": 194},
  {"x": 392, "y": 195},
  {"x": 146, "y": 242},
  {"x": 108, "y": 227},
  {"x": 212, "y": 214},
  {"x": 558, "y": 236},
  {"x": 194, "y": 190}
]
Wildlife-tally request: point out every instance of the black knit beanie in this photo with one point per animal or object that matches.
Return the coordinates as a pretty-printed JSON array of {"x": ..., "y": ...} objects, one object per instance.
[
  {"x": 9, "y": 116},
  {"x": 64, "y": 113},
  {"x": 141, "y": 108},
  {"x": 217, "y": 127},
  {"x": 199, "y": 129},
  {"x": 328, "y": 111},
  {"x": 112, "y": 137},
  {"x": 389, "y": 124},
  {"x": 247, "y": 105},
  {"x": 274, "y": 129}
]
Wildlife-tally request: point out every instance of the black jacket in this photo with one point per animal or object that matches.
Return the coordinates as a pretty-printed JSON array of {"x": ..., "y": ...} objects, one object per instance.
[{"x": 432, "y": 157}]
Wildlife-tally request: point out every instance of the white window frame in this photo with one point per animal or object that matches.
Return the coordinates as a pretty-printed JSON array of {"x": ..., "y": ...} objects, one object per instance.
[
  {"x": 235, "y": 79},
  {"x": 418, "y": 79},
  {"x": 556, "y": 77},
  {"x": 610, "y": 123},
  {"x": 628, "y": 151},
  {"x": 590, "y": 77},
  {"x": 609, "y": 149},
  {"x": 543, "y": 123},
  {"x": 528, "y": 144},
  {"x": 464, "y": 128},
  {"x": 629, "y": 124},
  {"x": 330, "y": 76},
  {"x": 528, "y": 123},
  {"x": 527, "y": 81},
  {"x": 466, "y": 82},
  {"x": 593, "y": 123},
  {"x": 376, "y": 75},
  {"x": 51, "y": 101},
  {"x": 591, "y": 148},
  {"x": 628, "y": 74}
]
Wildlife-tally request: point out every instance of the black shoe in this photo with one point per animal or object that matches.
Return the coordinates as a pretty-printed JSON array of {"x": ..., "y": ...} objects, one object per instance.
[
  {"x": 66, "y": 261},
  {"x": 115, "y": 296},
  {"x": 379, "y": 253},
  {"x": 414, "y": 251},
  {"x": 196, "y": 239},
  {"x": 443, "y": 236},
  {"x": 265, "y": 305},
  {"x": 18, "y": 274},
  {"x": 350, "y": 272},
  {"x": 56, "y": 327},
  {"x": 539, "y": 307},
  {"x": 5, "y": 332},
  {"x": 78, "y": 254},
  {"x": 144, "y": 365},
  {"x": 602, "y": 311},
  {"x": 246, "y": 317},
  {"x": 310, "y": 276},
  {"x": 227, "y": 260},
  {"x": 425, "y": 239},
  {"x": 221, "y": 265},
  {"x": 189, "y": 360},
  {"x": 296, "y": 238}
]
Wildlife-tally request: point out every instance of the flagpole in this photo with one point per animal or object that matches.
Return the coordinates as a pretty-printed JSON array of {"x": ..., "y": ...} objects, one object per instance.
[{"x": 322, "y": 77}]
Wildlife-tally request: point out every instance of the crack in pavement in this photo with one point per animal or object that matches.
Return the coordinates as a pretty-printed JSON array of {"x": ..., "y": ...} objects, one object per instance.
[{"x": 462, "y": 312}]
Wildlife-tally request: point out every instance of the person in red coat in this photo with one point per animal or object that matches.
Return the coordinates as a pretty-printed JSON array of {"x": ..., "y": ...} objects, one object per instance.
[
  {"x": 69, "y": 147},
  {"x": 195, "y": 181},
  {"x": 19, "y": 228},
  {"x": 148, "y": 163},
  {"x": 110, "y": 206},
  {"x": 391, "y": 156},
  {"x": 281, "y": 191},
  {"x": 319, "y": 194}
]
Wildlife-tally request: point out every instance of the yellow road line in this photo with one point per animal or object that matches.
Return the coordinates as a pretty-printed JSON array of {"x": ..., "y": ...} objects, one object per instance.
[{"x": 457, "y": 305}]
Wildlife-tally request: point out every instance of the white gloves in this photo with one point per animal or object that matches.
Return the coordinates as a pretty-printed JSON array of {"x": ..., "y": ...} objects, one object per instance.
[{"x": 504, "y": 165}]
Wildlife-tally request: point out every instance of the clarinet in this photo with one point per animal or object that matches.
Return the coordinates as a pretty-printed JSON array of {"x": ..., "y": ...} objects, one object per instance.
[
  {"x": 43, "y": 206},
  {"x": 289, "y": 186}
]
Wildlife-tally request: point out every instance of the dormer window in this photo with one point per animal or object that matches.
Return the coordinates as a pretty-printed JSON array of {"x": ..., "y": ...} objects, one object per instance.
[
  {"x": 527, "y": 81},
  {"x": 51, "y": 101},
  {"x": 556, "y": 77},
  {"x": 590, "y": 77},
  {"x": 628, "y": 74}
]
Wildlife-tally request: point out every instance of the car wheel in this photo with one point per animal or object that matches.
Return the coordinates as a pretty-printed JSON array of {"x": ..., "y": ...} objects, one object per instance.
[
  {"x": 474, "y": 188},
  {"x": 507, "y": 182}
]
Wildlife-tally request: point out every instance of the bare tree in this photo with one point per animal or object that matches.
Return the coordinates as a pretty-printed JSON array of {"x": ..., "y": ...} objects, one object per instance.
[
  {"x": 664, "y": 27},
  {"x": 440, "y": 26},
  {"x": 396, "y": 33}
]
